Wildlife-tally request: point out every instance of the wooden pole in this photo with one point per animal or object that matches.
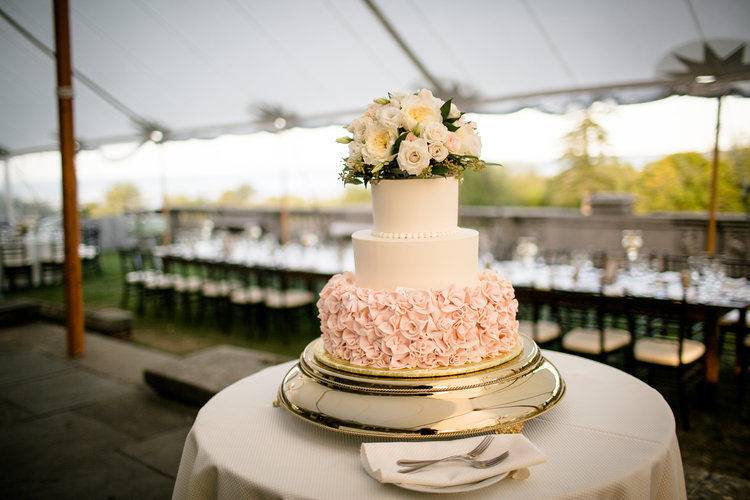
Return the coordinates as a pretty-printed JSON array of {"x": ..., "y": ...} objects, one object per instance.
[
  {"x": 73, "y": 294},
  {"x": 713, "y": 200}
]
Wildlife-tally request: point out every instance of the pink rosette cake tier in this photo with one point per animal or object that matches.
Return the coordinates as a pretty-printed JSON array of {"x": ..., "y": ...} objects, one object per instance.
[{"x": 408, "y": 328}]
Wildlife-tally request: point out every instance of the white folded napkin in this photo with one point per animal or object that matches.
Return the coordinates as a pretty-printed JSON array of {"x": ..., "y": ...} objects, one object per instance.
[{"x": 379, "y": 459}]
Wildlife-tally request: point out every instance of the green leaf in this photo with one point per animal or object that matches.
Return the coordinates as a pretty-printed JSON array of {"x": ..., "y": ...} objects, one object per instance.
[
  {"x": 399, "y": 140},
  {"x": 354, "y": 180},
  {"x": 445, "y": 109},
  {"x": 439, "y": 170},
  {"x": 378, "y": 168},
  {"x": 451, "y": 127}
]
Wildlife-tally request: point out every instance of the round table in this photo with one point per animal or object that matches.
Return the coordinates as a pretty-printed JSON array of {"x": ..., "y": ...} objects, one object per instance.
[{"x": 611, "y": 436}]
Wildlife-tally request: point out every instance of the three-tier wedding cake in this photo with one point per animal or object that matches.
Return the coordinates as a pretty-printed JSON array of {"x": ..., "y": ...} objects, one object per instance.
[{"x": 417, "y": 298}]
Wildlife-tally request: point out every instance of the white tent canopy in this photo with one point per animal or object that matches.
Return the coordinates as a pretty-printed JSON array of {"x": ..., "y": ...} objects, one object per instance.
[{"x": 198, "y": 68}]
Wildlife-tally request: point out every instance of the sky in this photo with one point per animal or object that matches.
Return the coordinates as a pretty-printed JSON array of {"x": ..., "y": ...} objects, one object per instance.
[{"x": 305, "y": 162}]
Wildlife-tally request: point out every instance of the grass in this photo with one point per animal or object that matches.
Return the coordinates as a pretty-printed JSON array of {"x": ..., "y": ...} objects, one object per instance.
[{"x": 173, "y": 336}]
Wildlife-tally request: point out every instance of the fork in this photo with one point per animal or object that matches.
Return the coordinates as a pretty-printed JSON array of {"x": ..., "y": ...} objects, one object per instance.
[
  {"x": 477, "y": 464},
  {"x": 480, "y": 448}
]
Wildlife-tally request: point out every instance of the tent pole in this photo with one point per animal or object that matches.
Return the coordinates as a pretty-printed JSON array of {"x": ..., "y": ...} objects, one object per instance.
[
  {"x": 10, "y": 213},
  {"x": 713, "y": 200},
  {"x": 71, "y": 230}
]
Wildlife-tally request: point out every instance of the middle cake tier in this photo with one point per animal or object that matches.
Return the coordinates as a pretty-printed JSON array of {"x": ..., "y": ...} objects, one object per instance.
[{"x": 386, "y": 264}]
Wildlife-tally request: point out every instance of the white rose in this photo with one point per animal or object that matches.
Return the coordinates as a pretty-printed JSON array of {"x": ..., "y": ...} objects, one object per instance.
[
  {"x": 471, "y": 144},
  {"x": 398, "y": 96},
  {"x": 390, "y": 116},
  {"x": 454, "y": 112},
  {"x": 413, "y": 156},
  {"x": 355, "y": 149},
  {"x": 453, "y": 143},
  {"x": 438, "y": 151},
  {"x": 359, "y": 126},
  {"x": 372, "y": 110},
  {"x": 421, "y": 109},
  {"x": 434, "y": 132},
  {"x": 378, "y": 143}
]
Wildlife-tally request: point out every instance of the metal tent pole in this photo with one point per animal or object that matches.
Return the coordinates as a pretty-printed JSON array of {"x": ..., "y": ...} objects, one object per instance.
[
  {"x": 10, "y": 213},
  {"x": 713, "y": 200},
  {"x": 73, "y": 293}
]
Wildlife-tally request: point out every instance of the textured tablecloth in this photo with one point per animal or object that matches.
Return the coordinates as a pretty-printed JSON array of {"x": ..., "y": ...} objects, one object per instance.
[{"x": 611, "y": 436}]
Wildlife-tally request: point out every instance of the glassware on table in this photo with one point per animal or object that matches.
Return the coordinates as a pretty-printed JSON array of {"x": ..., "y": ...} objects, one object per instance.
[
  {"x": 527, "y": 250},
  {"x": 632, "y": 241}
]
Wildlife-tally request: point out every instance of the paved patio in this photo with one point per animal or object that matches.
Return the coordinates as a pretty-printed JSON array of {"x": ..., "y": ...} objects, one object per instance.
[
  {"x": 87, "y": 428},
  {"x": 90, "y": 428}
]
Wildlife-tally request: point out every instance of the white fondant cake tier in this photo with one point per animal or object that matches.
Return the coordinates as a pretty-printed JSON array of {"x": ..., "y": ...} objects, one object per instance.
[
  {"x": 415, "y": 208},
  {"x": 386, "y": 264}
]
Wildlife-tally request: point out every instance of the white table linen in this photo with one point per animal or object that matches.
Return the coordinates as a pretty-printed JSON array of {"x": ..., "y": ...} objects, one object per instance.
[{"x": 611, "y": 436}]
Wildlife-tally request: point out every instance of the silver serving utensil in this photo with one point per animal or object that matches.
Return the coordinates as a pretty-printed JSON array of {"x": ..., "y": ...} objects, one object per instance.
[
  {"x": 480, "y": 448},
  {"x": 477, "y": 464}
]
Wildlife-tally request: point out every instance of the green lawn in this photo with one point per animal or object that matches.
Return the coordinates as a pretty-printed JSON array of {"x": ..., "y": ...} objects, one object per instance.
[{"x": 179, "y": 337}]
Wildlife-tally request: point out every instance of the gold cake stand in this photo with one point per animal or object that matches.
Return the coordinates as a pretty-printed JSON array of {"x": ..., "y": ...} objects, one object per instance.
[{"x": 480, "y": 398}]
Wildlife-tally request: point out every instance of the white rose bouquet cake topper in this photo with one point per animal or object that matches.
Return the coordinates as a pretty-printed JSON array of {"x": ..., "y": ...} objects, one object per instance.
[{"x": 410, "y": 135}]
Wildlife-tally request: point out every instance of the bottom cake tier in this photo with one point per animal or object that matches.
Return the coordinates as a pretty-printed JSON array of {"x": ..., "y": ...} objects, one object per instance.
[
  {"x": 497, "y": 399},
  {"x": 409, "y": 328}
]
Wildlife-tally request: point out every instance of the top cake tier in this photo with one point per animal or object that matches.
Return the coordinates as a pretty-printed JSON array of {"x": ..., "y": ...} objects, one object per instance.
[{"x": 415, "y": 208}]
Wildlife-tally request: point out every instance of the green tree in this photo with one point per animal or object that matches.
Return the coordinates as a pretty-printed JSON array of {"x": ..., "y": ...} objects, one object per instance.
[
  {"x": 120, "y": 198},
  {"x": 739, "y": 159},
  {"x": 589, "y": 170},
  {"x": 502, "y": 187},
  {"x": 681, "y": 182},
  {"x": 242, "y": 196}
]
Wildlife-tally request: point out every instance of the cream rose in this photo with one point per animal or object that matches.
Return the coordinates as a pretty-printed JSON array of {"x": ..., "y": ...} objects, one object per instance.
[
  {"x": 390, "y": 116},
  {"x": 421, "y": 109},
  {"x": 378, "y": 143},
  {"x": 398, "y": 96},
  {"x": 434, "y": 132},
  {"x": 453, "y": 143},
  {"x": 413, "y": 156},
  {"x": 359, "y": 127},
  {"x": 438, "y": 151},
  {"x": 454, "y": 111},
  {"x": 471, "y": 144}
]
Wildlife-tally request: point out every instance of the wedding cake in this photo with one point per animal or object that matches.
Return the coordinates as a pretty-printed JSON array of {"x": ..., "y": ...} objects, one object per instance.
[{"x": 417, "y": 298}]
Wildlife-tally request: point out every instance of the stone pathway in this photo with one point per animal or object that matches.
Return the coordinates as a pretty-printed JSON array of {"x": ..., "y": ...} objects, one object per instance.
[{"x": 85, "y": 428}]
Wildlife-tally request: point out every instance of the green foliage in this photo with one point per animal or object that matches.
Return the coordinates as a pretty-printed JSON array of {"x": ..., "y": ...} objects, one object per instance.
[
  {"x": 588, "y": 169},
  {"x": 681, "y": 182},
  {"x": 502, "y": 188},
  {"x": 242, "y": 196},
  {"x": 121, "y": 197}
]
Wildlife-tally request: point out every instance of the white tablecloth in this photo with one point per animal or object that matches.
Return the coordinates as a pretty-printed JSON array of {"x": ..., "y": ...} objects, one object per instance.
[{"x": 611, "y": 436}]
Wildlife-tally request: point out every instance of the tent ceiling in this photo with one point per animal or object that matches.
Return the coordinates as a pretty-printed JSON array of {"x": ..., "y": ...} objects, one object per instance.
[{"x": 198, "y": 68}]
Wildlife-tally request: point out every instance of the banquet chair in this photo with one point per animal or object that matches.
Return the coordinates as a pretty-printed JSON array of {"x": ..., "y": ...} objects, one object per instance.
[
  {"x": 597, "y": 333},
  {"x": 667, "y": 347},
  {"x": 545, "y": 332},
  {"x": 136, "y": 267},
  {"x": 245, "y": 301},
  {"x": 51, "y": 265},
  {"x": 287, "y": 301},
  {"x": 16, "y": 263}
]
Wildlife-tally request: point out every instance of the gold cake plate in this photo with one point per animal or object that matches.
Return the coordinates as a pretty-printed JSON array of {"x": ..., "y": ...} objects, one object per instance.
[{"x": 499, "y": 398}]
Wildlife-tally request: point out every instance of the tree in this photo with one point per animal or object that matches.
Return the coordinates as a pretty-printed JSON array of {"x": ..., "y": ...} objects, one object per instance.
[
  {"x": 501, "y": 187},
  {"x": 589, "y": 169},
  {"x": 682, "y": 182},
  {"x": 240, "y": 197},
  {"x": 739, "y": 159},
  {"x": 120, "y": 198}
]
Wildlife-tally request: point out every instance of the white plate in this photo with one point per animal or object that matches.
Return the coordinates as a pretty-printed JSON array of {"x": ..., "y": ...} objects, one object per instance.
[{"x": 459, "y": 488}]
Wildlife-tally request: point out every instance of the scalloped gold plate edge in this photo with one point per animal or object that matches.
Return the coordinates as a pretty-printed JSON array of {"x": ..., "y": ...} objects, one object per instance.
[{"x": 447, "y": 371}]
